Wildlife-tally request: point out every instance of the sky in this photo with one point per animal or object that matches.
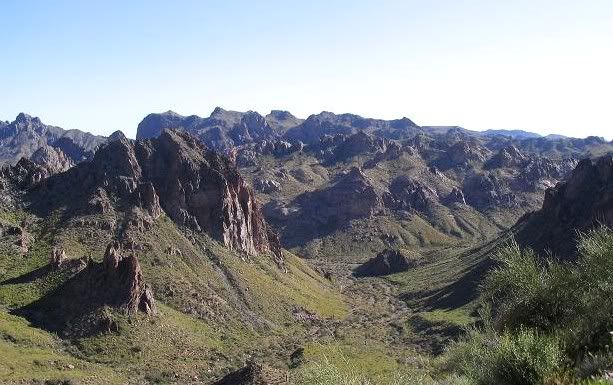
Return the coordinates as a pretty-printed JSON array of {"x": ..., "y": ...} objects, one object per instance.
[{"x": 539, "y": 65}]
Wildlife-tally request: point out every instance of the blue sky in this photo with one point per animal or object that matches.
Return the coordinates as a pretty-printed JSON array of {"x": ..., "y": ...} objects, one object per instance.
[{"x": 540, "y": 65}]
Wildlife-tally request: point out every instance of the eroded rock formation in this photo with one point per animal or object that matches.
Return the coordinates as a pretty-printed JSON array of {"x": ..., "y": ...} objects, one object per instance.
[
  {"x": 122, "y": 284},
  {"x": 57, "y": 258},
  {"x": 74, "y": 309},
  {"x": 174, "y": 173},
  {"x": 352, "y": 197}
]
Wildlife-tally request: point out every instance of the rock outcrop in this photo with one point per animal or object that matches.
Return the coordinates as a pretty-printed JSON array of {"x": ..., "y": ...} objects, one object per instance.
[
  {"x": 174, "y": 173},
  {"x": 509, "y": 156},
  {"x": 122, "y": 284},
  {"x": 25, "y": 174},
  {"x": 463, "y": 154},
  {"x": 455, "y": 196},
  {"x": 583, "y": 201},
  {"x": 74, "y": 308},
  {"x": 357, "y": 144},
  {"x": 57, "y": 258},
  {"x": 353, "y": 196},
  {"x": 484, "y": 191},
  {"x": 52, "y": 159},
  {"x": 267, "y": 185},
  {"x": 406, "y": 194},
  {"x": 254, "y": 373},
  {"x": 385, "y": 263}
]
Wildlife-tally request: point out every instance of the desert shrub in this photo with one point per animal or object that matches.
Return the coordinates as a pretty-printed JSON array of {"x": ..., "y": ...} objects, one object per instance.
[
  {"x": 526, "y": 291},
  {"x": 544, "y": 318},
  {"x": 525, "y": 357},
  {"x": 325, "y": 372}
]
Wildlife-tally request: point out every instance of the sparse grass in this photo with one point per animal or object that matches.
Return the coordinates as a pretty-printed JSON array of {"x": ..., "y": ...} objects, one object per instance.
[
  {"x": 215, "y": 309},
  {"x": 344, "y": 364},
  {"x": 455, "y": 317},
  {"x": 32, "y": 354}
]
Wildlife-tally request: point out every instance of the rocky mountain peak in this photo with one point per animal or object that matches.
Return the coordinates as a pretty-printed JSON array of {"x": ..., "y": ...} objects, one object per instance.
[
  {"x": 26, "y": 134},
  {"x": 194, "y": 186},
  {"x": 463, "y": 153},
  {"x": 24, "y": 118},
  {"x": 406, "y": 193},
  {"x": 117, "y": 135},
  {"x": 281, "y": 115},
  {"x": 153, "y": 124},
  {"x": 217, "y": 111},
  {"x": 386, "y": 262}
]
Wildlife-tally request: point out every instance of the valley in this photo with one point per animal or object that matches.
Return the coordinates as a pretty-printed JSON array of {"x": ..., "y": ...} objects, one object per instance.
[{"x": 329, "y": 250}]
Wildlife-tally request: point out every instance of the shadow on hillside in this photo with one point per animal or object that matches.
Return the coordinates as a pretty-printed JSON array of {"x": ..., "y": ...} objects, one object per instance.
[
  {"x": 461, "y": 292},
  {"x": 28, "y": 277}
]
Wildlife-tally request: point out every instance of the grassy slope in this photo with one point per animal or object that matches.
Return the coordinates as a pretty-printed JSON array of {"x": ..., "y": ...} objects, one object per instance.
[
  {"x": 216, "y": 309},
  {"x": 32, "y": 354}
]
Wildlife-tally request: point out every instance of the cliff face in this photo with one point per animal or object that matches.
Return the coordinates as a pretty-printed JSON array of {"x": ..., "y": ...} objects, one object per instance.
[
  {"x": 582, "y": 202},
  {"x": 203, "y": 190},
  {"x": 194, "y": 186}
]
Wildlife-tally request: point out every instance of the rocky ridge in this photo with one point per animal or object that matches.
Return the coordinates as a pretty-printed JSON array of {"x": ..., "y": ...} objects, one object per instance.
[
  {"x": 26, "y": 135},
  {"x": 579, "y": 203},
  {"x": 76, "y": 308},
  {"x": 174, "y": 173}
]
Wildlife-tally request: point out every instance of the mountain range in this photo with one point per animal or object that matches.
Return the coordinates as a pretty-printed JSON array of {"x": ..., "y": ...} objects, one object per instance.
[{"x": 242, "y": 248}]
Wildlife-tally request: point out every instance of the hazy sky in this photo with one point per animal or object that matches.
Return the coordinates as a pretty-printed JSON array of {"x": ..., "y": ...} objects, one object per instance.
[{"x": 540, "y": 65}]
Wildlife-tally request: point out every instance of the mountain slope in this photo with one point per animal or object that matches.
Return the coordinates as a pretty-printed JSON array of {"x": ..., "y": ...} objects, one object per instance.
[
  {"x": 580, "y": 203},
  {"x": 222, "y": 290}
]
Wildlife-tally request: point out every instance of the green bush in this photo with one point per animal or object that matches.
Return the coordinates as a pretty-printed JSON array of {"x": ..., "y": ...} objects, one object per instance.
[
  {"x": 543, "y": 317},
  {"x": 522, "y": 358},
  {"x": 327, "y": 373}
]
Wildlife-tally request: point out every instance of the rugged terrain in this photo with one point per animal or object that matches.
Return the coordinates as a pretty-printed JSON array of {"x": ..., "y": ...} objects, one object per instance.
[
  {"x": 349, "y": 187},
  {"x": 287, "y": 245}
]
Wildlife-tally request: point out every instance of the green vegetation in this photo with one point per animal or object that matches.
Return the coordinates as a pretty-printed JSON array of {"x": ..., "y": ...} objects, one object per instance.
[
  {"x": 30, "y": 354},
  {"x": 544, "y": 321},
  {"x": 339, "y": 364},
  {"x": 216, "y": 308}
]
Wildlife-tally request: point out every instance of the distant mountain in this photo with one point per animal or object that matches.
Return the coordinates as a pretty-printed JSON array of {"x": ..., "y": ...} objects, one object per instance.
[
  {"x": 26, "y": 134},
  {"x": 222, "y": 130},
  {"x": 327, "y": 123},
  {"x": 327, "y": 179},
  {"x": 517, "y": 134},
  {"x": 226, "y": 129}
]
